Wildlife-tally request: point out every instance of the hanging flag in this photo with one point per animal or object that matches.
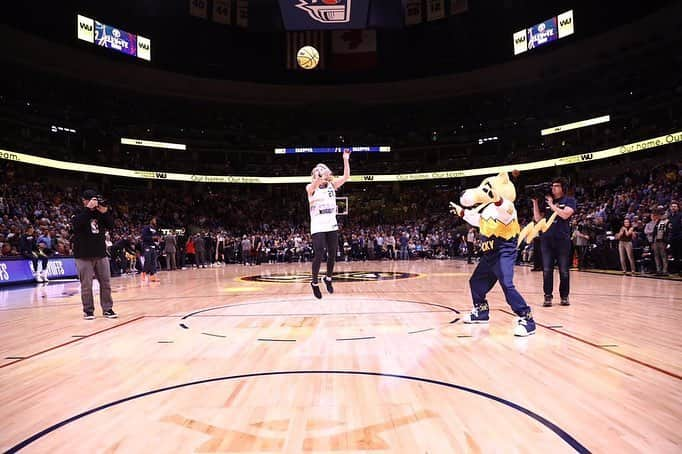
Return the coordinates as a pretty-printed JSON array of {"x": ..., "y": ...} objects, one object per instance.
[
  {"x": 243, "y": 13},
  {"x": 435, "y": 9},
  {"x": 222, "y": 11},
  {"x": 296, "y": 40},
  {"x": 353, "y": 50},
  {"x": 413, "y": 12},
  {"x": 198, "y": 8}
]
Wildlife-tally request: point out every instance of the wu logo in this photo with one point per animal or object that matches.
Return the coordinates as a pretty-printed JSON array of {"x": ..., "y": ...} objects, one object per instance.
[
  {"x": 161, "y": 175},
  {"x": 327, "y": 11},
  {"x": 566, "y": 21},
  {"x": 368, "y": 177},
  {"x": 586, "y": 157},
  {"x": 86, "y": 27},
  {"x": 520, "y": 39}
]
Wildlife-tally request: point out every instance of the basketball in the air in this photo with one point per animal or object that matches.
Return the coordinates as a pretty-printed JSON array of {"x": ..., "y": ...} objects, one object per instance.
[{"x": 308, "y": 57}]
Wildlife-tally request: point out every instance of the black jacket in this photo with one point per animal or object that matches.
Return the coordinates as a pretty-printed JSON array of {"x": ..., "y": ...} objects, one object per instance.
[
  {"x": 676, "y": 227},
  {"x": 89, "y": 227}
]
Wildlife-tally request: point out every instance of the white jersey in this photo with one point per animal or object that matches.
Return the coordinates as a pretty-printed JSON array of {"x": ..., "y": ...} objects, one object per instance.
[{"x": 323, "y": 210}]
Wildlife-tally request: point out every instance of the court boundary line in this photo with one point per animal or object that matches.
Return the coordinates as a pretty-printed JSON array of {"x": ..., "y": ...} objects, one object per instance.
[
  {"x": 78, "y": 339},
  {"x": 603, "y": 348}
]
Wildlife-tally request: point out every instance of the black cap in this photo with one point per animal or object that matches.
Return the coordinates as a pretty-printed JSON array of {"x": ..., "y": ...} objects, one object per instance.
[{"x": 89, "y": 194}]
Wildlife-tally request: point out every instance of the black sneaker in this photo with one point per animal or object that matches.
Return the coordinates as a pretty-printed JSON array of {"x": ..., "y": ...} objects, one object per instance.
[
  {"x": 316, "y": 290},
  {"x": 548, "y": 301},
  {"x": 328, "y": 283},
  {"x": 564, "y": 302},
  {"x": 110, "y": 314},
  {"x": 89, "y": 315}
]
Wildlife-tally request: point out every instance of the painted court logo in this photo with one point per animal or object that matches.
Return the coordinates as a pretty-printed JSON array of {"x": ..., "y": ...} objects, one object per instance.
[
  {"x": 346, "y": 276},
  {"x": 327, "y": 11}
]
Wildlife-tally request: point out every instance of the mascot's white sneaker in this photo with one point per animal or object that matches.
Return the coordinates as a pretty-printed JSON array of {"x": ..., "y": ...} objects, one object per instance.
[
  {"x": 477, "y": 316},
  {"x": 525, "y": 326}
]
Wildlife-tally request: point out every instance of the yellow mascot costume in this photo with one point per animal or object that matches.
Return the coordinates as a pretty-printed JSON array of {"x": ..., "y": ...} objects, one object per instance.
[{"x": 490, "y": 207}]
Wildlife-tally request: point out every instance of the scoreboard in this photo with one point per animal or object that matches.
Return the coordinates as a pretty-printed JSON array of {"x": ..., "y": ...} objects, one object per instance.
[
  {"x": 543, "y": 33},
  {"x": 95, "y": 32}
]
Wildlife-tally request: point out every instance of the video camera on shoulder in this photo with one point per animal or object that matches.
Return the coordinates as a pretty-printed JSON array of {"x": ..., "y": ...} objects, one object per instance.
[
  {"x": 101, "y": 201},
  {"x": 538, "y": 191},
  {"x": 90, "y": 194}
]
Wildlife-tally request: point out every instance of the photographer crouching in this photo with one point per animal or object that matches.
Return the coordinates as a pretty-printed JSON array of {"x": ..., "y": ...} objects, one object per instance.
[
  {"x": 556, "y": 241},
  {"x": 89, "y": 250}
]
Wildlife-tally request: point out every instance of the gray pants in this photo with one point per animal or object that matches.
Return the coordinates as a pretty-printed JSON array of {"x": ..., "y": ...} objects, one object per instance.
[
  {"x": 170, "y": 260},
  {"x": 89, "y": 268},
  {"x": 661, "y": 257},
  {"x": 626, "y": 254},
  {"x": 200, "y": 257}
]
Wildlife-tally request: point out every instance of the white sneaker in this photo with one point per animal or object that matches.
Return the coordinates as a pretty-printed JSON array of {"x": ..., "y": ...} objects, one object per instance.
[
  {"x": 476, "y": 317},
  {"x": 43, "y": 274},
  {"x": 524, "y": 327},
  {"x": 38, "y": 277}
]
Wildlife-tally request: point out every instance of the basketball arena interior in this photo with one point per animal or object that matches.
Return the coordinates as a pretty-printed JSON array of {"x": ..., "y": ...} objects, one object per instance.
[{"x": 341, "y": 226}]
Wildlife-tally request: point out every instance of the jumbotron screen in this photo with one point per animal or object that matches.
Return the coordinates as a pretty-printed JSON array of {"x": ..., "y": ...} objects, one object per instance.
[
  {"x": 543, "y": 33},
  {"x": 104, "y": 35}
]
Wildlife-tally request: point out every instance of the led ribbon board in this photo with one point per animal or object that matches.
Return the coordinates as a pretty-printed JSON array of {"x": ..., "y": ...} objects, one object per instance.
[
  {"x": 575, "y": 125},
  {"x": 381, "y": 149},
  {"x": 634, "y": 147},
  {"x": 153, "y": 144}
]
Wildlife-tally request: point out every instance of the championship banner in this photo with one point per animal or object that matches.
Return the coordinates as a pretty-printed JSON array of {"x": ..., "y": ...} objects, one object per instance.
[
  {"x": 324, "y": 14},
  {"x": 654, "y": 142},
  {"x": 198, "y": 8},
  {"x": 222, "y": 11}
]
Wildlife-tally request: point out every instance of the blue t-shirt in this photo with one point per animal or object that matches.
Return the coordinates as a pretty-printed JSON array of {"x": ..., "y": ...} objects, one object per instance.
[{"x": 561, "y": 228}]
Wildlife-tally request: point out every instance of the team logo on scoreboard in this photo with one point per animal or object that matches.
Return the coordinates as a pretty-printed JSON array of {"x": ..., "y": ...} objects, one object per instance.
[
  {"x": 345, "y": 276},
  {"x": 327, "y": 11}
]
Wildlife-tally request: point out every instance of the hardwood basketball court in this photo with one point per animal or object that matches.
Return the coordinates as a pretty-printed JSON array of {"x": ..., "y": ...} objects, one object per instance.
[{"x": 244, "y": 359}]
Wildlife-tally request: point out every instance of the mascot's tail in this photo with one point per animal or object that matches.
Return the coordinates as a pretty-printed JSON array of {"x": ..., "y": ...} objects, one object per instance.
[{"x": 533, "y": 229}]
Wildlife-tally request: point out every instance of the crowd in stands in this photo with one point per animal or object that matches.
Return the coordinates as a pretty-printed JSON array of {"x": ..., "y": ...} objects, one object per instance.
[{"x": 245, "y": 225}]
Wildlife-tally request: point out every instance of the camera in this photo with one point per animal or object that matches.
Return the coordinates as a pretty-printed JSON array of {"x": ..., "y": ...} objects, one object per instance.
[
  {"x": 538, "y": 191},
  {"x": 101, "y": 201}
]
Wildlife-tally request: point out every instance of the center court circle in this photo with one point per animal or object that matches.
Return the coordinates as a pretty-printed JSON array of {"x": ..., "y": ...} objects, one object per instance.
[
  {"x": 340, "y": 317},
  {"x": 202, "y": 421},
  {"x": 338, "y": 277}
]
